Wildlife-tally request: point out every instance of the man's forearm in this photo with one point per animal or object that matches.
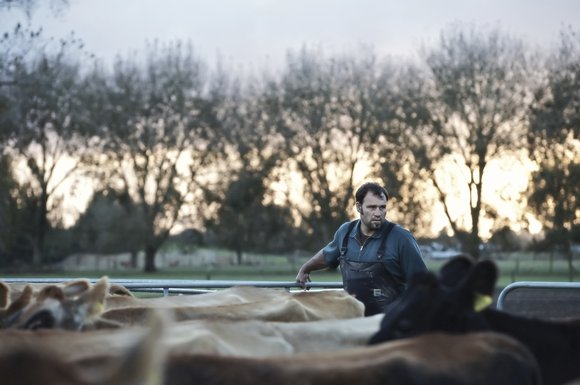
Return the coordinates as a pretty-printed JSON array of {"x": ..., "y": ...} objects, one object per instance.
[{"x": 317, "y": 262}]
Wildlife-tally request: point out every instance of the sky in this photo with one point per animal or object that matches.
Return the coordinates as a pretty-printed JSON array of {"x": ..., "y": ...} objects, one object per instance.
[
  {"x": 259, "y": 33},
  {"x": 253, "y": 34}
]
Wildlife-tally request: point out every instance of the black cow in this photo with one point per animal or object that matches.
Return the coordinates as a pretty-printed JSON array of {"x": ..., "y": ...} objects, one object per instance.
[{"x": 450, "y": 303}]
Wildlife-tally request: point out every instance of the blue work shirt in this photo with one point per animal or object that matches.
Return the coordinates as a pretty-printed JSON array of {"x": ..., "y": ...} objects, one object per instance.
[{"x": 402, "y": 256}]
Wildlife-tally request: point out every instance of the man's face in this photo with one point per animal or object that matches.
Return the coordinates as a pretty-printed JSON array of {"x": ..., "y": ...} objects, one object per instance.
[{"x": 373, "y": 210}]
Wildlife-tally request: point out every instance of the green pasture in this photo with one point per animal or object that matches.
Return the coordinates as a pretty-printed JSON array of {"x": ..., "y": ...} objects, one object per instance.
[{"x": 513, "y": 267}]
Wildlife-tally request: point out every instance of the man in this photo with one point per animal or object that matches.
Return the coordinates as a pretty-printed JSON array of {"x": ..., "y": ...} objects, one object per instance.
[{"x": 376, "y": 257}]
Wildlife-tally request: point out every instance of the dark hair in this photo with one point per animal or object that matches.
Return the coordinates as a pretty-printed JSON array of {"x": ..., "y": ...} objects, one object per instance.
[{"x": 374, "y": 188}]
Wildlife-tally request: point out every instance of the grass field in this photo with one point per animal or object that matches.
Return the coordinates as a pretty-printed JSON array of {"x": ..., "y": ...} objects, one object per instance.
[{"x": 513, "y": 267}]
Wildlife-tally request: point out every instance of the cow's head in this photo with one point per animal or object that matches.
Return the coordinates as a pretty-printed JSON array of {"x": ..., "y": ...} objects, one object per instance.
[
  {"x": 69, "y": 307},
  {"x": 449, "y": 302}
]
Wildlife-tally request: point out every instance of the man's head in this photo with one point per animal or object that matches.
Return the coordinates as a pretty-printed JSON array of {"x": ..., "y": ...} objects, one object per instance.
[{"x": 371, "y": 204}]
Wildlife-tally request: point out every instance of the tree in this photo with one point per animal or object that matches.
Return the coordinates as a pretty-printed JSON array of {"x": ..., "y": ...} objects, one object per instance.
[
  {"x": 505, "y": 239},
  {"x": 554, "y": 145},
  {"x": 376, "y": 107},
  {"x": 106, "y": 226},
  {"x": 29, "y": 6},
  {"x": 246, "y": 217},
  {"x": 41, "y": 124},
  {"x": 470, "y": 108},
  {"x": 11, "y": 215},
  {"x": 328, "y": 116},
  {"x": 245, "y": 223},
  {"x": 159, "y": 134}
]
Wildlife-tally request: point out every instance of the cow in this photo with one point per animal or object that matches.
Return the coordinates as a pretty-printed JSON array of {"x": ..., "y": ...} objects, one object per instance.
[
  {"x": 54, "y": 306},
  {"x": 70, "y": 288},
  {"x": 70, "y": 307},
  {"x": 240, "y": 303},
  {"x": 453, "y": 303},
  {"x": 142, "y": 363},
  {"x": 247, "y": 338},
  {"x": 254, "y": 338},
  {"x": 431, "y": 359},
  {"x": 228, "y": 296},
  {"x": 475, "y": 359},
  {"x": 121, "y": 307},
  {"x": 14, "y": 298},
  {"x": 480, "y": 358},
  {"x": 231, "y": 295}
]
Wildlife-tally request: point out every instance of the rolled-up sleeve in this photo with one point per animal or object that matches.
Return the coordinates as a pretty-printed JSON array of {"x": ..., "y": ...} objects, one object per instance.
[{"x": 331, "y": 251}]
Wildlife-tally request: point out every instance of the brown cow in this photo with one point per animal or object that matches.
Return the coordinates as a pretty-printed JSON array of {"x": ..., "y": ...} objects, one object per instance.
[
  {"x": 14, "y": 298},
  {"x": 430, "y": 359},
  {"x": 142, "y": 363},
  {"x": 68, "y": 307},
  {"x": 261, "y": 304},
  {"x": 476, "y": 359},
  {"x": 228, "y": 296},
  {"x": 248, "y": 338},
  {"x": 71, "y": 288},
  {"x": 57, "y": 306}
]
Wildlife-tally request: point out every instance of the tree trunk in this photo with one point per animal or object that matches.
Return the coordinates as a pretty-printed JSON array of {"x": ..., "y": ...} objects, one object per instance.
[
  {"x": 150, "y": 253},
  {"x": 36, "y": 255},
  {"x": 473, "y": 245},
  {"x": 134, "y": 256}
]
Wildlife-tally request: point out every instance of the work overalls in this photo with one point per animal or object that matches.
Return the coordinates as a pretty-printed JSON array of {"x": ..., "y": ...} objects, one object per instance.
[{"x": 369, "y": 282}]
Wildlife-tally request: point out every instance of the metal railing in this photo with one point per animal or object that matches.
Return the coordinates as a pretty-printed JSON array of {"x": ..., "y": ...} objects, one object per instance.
[
  {"x": 171, "y": 286},
  {"x": 533, "y": 285},
  {"x": 541, "y": 299}
]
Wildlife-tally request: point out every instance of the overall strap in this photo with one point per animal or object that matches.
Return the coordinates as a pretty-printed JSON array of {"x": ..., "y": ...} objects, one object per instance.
[
  {"x": 386, "y": 232},
  {"x": 344, "y": 244}
]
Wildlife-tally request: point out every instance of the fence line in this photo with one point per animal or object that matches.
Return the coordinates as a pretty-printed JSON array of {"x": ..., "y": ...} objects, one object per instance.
[{"x": 172, "y": 286}]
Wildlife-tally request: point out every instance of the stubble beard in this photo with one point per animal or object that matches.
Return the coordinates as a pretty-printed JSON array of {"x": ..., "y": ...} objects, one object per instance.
[{"x": 375, "y": 224}]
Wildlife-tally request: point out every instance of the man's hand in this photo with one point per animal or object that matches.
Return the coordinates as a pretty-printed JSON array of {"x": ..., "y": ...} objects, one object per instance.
[
  {"x": 315, "y": 263},
  {"x": 302, "y": 278}
]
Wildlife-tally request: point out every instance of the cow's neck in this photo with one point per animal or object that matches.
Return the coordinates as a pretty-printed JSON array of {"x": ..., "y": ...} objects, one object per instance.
[{"x": 555, "y": 344}]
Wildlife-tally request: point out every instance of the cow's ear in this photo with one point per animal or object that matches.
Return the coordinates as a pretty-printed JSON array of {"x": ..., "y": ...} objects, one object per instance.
[
  {"x": 95, "y": 297},
  {"x": 22, "y": 301},
  {"x": 50, "y": 291},
  {"x": 482, "y": 280},
  {"x": 116, "y": 289},
  {"x": 423, "y": 287},
  {"x": 455, "y": 270},
  {"x": 75, "y": 288}
]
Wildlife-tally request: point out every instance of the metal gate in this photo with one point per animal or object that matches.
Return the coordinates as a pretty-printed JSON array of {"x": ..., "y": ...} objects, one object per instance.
[{"x": 541, "y": 299}]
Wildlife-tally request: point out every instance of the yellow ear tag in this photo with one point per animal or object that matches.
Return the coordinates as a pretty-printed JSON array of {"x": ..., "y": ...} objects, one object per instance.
[
  {"x": 98, "y": 308},
  {"x": 481, "y": 301}
]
